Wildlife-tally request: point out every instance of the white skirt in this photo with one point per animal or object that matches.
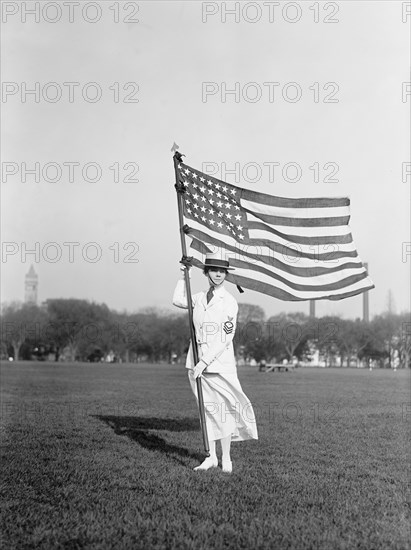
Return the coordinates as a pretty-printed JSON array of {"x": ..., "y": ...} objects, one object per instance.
[{"x": 228, "y": 410}]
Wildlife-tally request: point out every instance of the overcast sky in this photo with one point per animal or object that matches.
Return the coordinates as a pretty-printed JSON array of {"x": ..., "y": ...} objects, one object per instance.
[{"x": 348, "y": 110}]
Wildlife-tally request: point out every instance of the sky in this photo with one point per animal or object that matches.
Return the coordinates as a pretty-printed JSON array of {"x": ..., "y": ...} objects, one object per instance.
[{"x": 147, "y": 74}]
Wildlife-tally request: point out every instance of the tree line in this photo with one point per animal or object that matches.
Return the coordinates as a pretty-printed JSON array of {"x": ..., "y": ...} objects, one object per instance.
[{"x": 78, "y": 330}]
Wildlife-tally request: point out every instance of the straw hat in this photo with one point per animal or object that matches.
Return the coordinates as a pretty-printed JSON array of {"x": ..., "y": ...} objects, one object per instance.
[{"x": 214, "y": 260}]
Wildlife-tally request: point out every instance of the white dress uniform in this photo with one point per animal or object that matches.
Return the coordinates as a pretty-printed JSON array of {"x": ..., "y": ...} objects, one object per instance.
[{"x": 227, "y": 408}]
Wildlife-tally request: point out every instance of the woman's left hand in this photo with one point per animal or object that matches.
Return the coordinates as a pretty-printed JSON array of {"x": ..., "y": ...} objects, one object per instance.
[{"x": 198, "y": 369}]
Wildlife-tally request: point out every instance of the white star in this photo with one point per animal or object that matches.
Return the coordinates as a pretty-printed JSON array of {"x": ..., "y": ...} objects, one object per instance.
[
  {"x": 195, "y": 206},
  {"x": 219, "y": 195},
  {"x": 195, "y": 214},
  {"x": 225, "y": 189},
  {"x": 241, "y": 237},
  {"x": 188, "y": 210},
  {"x": 227, "y": 205},
  {"x": 220, "y": 224},
  {"x": 228, "y": 216},
  {"x": 212, "y": 222},
  {"x": 195, "y": 177},
  {"x": 179, "y": 165},
  {"x": 203, "y": 209},
  {"x": 187, "y": 201},
  {"x": 211, "y": 211},
  {"x": 195, "y": 185},
  {"x": 238, "y": 217},
  {"x": 201, "y": 179},
  {"x": 203, "y": 199},
  {"x": 209, "y": 182},
  {"x": 210, "y": 192},
  {"x": 187, "y": 171},
  {"x": 211, "y": 201},
  {"x": 219, "y": 204},
  {"x": 237, "y": 207},
  {"x": 240, "y": 227},
  {"x": 185, "y": 183},
  {"x": 233, "y": 191},
  {"x": 196, "y": 196},
  {"x": 203, "y": 218},
  {"x": 217, "y": 186},
  {"x": 202, "y": 189},
  {"x": 220, "y": 214}
]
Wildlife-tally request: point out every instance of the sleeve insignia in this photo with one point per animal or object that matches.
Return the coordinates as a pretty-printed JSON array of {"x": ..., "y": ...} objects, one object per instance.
[{"x": 228, "y": 325}]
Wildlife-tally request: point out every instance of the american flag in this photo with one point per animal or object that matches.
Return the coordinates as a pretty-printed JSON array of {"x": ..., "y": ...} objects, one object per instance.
[{"x": 292, "y": 249}]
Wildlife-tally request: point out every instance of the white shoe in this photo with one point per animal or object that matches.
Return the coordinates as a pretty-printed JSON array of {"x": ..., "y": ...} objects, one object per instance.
[
  {"x": 209, "y": 462},
  {"x": 227, "y": 466}
]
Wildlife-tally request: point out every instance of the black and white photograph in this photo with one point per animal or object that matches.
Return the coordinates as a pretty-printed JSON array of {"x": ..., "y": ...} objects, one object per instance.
[{"x": 205, "y": 275}]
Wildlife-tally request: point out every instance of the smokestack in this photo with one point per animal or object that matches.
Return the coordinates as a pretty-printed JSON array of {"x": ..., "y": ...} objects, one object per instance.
[
  {"x": 365, "y": 303},
  {"x": 312, "y": 308}
]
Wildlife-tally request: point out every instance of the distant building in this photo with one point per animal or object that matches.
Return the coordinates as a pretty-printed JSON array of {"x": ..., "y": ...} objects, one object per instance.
[{"x": 31, "y": 284}]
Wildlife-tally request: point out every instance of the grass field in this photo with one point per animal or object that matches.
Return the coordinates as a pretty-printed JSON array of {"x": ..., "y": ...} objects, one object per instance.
[{"x": 101, "y": 456}]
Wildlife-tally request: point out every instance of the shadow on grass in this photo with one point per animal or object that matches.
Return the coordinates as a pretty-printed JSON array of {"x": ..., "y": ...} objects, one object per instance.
[{"x": 139, "y": 429}]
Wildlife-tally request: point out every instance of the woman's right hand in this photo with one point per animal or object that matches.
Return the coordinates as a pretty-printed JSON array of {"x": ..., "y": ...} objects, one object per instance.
[{"x": 183, "y": 269}]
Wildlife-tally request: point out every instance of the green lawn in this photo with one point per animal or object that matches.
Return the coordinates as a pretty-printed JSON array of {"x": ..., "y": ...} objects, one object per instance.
[{"x": 101, "y": 456}]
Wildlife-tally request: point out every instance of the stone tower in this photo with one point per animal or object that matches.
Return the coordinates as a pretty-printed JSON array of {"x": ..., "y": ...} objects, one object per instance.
[{"x": 30, "y": 287}]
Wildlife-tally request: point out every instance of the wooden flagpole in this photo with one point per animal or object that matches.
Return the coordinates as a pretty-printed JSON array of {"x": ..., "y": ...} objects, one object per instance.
[{"x": 180, "y": 191}]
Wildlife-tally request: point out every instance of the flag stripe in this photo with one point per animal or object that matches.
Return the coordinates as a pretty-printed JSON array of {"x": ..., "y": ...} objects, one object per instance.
[
  {"x": 256, "y": 229},
  {"x": 300, "y": 222},
  {"x": 284, "y": 202},
  {"x": 281, "y": 294},
  {"x": 329, "y": 251},
  {"x": 262, "y": 208},
  {"x": 311, "y": 232}
]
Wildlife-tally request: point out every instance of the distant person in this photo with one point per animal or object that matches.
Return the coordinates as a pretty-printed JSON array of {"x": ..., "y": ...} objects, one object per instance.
[
  {"x": 262, "y": 365},
  {"x": 229, "y": 414}
]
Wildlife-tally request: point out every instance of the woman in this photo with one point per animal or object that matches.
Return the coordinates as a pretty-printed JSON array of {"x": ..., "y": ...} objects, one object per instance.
[{"x": 229, "y": 413}]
